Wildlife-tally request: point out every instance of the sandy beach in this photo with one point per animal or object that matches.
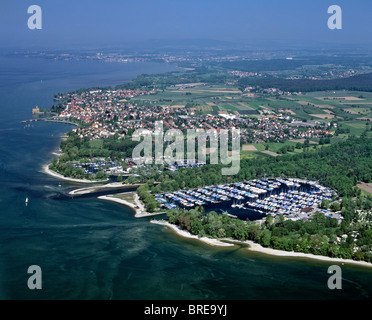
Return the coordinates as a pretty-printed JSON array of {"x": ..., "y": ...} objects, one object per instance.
[
  {"x": 186, "y": 234},
  {"x": 59, "y": 176},
  {"x": 126, "y": 203},
  {"x": 256, "y": 247},
  {"x": 139, "y": 209}
]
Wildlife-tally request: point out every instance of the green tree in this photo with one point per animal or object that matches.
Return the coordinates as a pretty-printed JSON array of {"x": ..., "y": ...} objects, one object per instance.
[
  {"x": 265, "y": 237},
  {"x": 325, "y": 204}
]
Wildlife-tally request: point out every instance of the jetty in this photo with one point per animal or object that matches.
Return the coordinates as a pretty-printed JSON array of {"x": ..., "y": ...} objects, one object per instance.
[{"x": 49, "y": 119}]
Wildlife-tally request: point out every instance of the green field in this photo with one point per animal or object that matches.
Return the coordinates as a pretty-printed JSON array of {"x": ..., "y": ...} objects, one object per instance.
[
  {"x": 356, "y": 127},
  {"x": 272, "y": 147},
  {"x": 207, "y": 98},
  {"x": 96, "y": 144},
  {"x": 345, "y": 107},
  {"x": 317, "y": 103}
]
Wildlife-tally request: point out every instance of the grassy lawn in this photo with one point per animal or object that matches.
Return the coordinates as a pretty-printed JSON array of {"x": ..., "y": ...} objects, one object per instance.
[{"x": 96, "y": 144}]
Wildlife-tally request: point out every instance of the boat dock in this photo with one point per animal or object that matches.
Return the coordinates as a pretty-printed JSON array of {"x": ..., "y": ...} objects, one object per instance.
[{"x": 268, "y": 196}]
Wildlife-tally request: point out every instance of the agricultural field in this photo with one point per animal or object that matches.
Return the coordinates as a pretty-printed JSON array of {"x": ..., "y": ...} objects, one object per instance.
[
  {"x": 205, "y": 98},
  {"x": 214, "y": 99},
  {"x": 272, "y": 148},
  {"x": 352, "y": 111},
  {"x": 356, "y": 127},
  {"x": 337, "y": 105}
]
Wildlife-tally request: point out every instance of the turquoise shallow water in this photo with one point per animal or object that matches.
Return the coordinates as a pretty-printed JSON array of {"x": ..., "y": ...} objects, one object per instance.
[{"x": 93, "y": 249}]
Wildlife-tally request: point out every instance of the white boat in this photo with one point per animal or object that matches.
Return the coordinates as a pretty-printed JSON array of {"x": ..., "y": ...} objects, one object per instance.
[
  {"x": 26, "y": 201},
  {"x": 229, "y": 215}
]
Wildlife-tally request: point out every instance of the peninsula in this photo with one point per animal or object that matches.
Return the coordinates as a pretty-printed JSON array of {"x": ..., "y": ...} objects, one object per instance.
[{"x": 304, "y": 154}]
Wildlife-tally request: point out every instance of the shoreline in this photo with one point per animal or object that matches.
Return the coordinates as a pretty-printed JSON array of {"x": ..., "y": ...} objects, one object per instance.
[
  {"x": 186, "y": 234},
  {"x": 255, "y": 247},
  {"x": 59, "y": 176},
  {"x": 139, "y": 209}
]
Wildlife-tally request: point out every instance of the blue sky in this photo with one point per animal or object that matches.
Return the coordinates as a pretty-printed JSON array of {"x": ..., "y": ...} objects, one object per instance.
[{"x": 95, "y": 23}]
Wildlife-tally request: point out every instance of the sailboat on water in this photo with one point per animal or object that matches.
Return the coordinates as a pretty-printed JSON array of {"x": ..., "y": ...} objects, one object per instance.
[{"x": 26, "y": 201}]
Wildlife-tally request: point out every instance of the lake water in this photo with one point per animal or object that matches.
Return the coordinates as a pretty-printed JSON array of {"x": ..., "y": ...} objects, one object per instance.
[{"x": 93, "y": 249}]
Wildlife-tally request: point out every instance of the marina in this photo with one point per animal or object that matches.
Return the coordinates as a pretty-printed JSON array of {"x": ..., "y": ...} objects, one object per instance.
[{"x": 293, "y": 198}]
